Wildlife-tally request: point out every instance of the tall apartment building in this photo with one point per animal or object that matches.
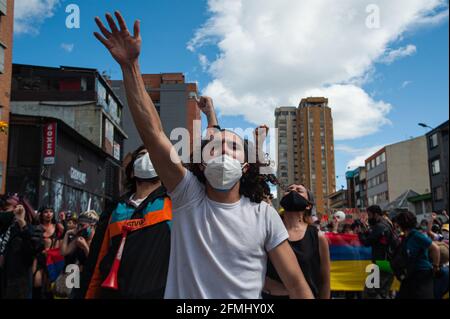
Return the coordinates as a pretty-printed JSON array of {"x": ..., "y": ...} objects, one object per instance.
[
  {"x": 395, "y": 169},
  {"x": 438, "y": 166},
  {"x": 170, "y": 94},
  {"x": 306, "y": 148},
  {"x": 6, "y": 40}
]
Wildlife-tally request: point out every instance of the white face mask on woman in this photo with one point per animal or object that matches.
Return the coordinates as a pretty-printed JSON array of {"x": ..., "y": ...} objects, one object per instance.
[
  {"x": 143, "y": 168},
  {"x": 223, "y": 172}
]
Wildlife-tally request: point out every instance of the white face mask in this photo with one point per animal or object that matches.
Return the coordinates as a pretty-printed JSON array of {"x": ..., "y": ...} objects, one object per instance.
[
  {"x": 143, "y": 168},
  {"x": 223, "y": 172}
]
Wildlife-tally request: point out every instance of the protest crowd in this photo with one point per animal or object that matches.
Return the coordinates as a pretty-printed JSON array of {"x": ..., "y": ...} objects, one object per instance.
[{"x": 209, "y": 230}]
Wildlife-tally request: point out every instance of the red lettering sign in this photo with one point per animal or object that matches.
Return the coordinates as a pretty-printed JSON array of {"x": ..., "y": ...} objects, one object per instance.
[{"x": 49, "y": 143}]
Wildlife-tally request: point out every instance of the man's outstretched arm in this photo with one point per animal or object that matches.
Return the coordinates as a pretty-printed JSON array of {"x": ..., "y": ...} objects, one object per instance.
[{"x": 125, "y": 49}]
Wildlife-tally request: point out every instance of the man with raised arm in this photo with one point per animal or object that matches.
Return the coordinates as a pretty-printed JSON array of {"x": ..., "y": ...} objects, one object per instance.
[{"x": 222, "y": 230}]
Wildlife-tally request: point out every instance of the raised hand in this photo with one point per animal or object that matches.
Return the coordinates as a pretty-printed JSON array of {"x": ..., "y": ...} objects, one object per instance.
[
  {"x": 19, "y": 213},
  {"x": 206, "y": 105},
  {"x": 124, "y": 47}
]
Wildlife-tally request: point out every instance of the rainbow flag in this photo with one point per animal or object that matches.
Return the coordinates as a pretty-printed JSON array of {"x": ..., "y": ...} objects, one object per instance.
[{"x": 349, "y": 259}]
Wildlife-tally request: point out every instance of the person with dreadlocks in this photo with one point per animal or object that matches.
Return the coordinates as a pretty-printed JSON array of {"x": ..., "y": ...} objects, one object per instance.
[
  {"x": 20, "y": 241},
  {"x": 222, "y": 231}
]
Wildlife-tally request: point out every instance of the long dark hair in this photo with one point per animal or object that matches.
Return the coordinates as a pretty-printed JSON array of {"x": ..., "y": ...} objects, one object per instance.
[
  {"x": 41, "y": 214},
  {"x": 253, "y": 185}
]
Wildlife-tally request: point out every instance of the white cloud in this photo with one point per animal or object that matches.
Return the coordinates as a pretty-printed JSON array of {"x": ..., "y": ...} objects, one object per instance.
[
  {"x": 68, "y": 47},
  {"x": 30, "y": 14},
  {"x": 204, "y": 62},
  {"x": 355, "y": 113},
  {"x": 360, "y": 154},
  {"x": 405, "y": 84},
  {"x": 274, "y": 53},
  {"x": 392, "y": 55}
]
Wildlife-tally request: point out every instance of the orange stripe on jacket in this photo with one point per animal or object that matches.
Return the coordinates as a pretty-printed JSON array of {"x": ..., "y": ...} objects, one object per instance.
[
  {"x": 150, "y": 219},
  {"x": 115, "y": 229},
  {"x": 95, "y": 283}
]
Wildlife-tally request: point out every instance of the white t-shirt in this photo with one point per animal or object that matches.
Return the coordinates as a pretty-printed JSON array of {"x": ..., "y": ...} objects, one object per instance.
[
  {"x": 219, "y": 250},
  {"x": 136, "y": 202}
]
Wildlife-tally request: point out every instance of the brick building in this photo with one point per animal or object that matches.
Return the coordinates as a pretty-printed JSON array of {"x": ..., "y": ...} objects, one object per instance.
[{"x": 6, "y": 40}]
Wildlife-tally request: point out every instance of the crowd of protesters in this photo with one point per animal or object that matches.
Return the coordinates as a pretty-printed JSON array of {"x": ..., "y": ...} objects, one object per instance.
[
  {"x": 31, "y": 242},
  {"x": 415, "y": 253},
  {"x": 202, "y": 230}
]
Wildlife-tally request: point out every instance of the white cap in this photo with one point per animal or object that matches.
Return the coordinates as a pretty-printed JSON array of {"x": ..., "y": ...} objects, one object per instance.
[{"x": 340, "y": 216}]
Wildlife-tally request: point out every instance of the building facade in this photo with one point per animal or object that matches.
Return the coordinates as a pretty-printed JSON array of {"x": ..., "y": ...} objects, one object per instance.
[
  {"x": 78, "y": 100},
  {"x": 80, "y": 97},
  {"x": 339, "y": 199},
  {"x": 170, "y": 94},
  {"x": 357, "y": 188},
  {"x": 395, "y": 169},
  {"x": 306, "y": 148},
  {"x": 6, "y": 41},
  {"x": 50, "y": 163},
  {"x": 287, "y": 145},
  {"x": 437, "y": 143}
]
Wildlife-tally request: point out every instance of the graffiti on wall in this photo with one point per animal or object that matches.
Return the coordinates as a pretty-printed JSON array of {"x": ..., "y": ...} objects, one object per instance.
[{"x": 66, "y": 198}]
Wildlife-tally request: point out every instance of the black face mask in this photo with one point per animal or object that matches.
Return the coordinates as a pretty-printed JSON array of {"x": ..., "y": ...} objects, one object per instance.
[{"x": 294, "y": 202}]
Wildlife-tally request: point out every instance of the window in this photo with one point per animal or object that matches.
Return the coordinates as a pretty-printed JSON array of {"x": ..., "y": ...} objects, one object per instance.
[
  {"x": 434, "y": 140},
  {"x": 438, "y": 193},
  {"x": 2, "y": 7},
  {"x": 2, "y": 58},
  {"x": 435, "y": 167}
]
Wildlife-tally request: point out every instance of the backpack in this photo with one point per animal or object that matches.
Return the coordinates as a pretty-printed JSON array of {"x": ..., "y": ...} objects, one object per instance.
[
  {"x": 402, "y": 264},
  {"x": 393, "y": 243}
]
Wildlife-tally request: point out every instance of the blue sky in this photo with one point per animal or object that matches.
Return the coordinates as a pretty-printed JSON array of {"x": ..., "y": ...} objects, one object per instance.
[{"x": 415, "y": 86}]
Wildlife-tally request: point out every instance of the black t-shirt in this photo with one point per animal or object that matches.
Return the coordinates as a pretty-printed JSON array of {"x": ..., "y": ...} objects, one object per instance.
[
  {"x": 308, "y": 256},
  {"x": 378, "y": 238}
]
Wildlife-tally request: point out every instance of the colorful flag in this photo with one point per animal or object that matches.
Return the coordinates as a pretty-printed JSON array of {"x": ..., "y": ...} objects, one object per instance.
[
  {"x": 349, "y": 259},
  {"x": 55, "y": 263}
]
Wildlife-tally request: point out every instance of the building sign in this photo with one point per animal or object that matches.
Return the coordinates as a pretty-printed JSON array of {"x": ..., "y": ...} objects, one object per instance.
[
  {"x": 49, "y": 143},
  {"x": 117, "y": 151},
  {"x": 77, "y": 176}
]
